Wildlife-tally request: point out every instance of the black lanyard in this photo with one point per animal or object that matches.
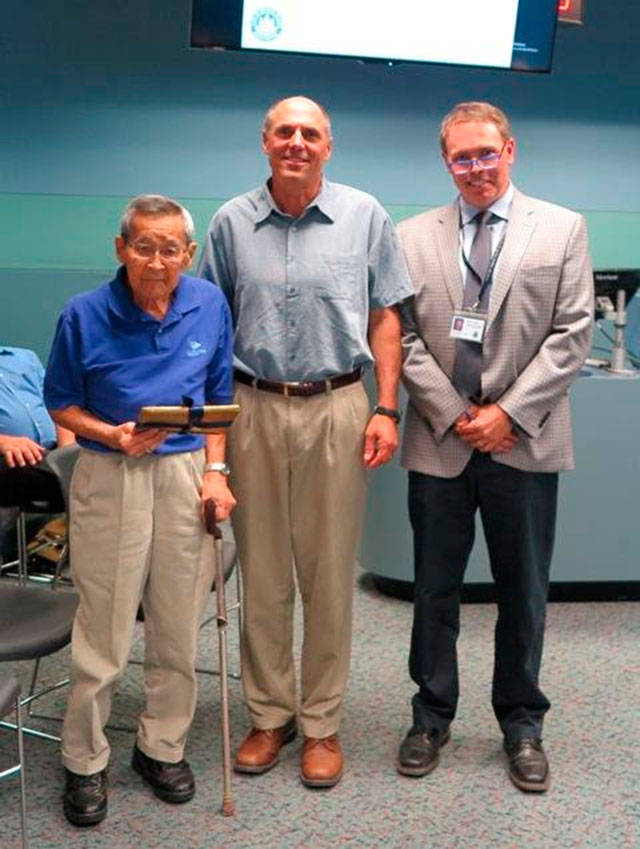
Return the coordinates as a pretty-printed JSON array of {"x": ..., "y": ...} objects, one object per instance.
[{"x": 492, "y": 264}]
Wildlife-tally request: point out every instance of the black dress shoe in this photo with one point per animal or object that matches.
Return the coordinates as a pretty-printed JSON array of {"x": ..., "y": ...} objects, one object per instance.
[
  {"x": 170, "y": 782},
  {"x": 85, "y": 798},
  {"x": 419, "y": 751},
  {"x": 528, "y": 765}
]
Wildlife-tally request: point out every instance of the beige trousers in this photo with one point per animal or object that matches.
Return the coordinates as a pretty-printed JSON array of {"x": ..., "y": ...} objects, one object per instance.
[
  {"x": 298, "y": 476},
  {"x": 135, "y": 534}
]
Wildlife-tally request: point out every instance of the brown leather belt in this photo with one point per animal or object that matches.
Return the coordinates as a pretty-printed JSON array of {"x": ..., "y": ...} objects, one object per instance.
[{"x": 303, "y": 388}]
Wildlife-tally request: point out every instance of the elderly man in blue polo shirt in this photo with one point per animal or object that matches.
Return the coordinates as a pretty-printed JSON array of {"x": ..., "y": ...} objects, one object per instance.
[
  {"x": 312, "y": 271},
  {"x": 26, "y": 433},
  {"x": 151, "y": 335}
]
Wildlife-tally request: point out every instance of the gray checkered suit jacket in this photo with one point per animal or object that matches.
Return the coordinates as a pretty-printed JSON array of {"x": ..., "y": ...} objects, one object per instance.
[{"x": 537, "y": 337}]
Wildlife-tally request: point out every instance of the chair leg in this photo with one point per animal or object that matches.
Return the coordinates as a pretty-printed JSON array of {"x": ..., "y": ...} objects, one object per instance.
[
  {"x": 21, "y": 528},
  {"x": 23, "y": 789},
  {"x": 28, "y": 700}
]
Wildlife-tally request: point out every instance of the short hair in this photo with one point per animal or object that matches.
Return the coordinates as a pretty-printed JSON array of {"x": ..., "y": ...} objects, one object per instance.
[
  {"x": 474, "y": 110},
  {"x": 266, "y": 124},
  {"x": 155, "y": 205}
]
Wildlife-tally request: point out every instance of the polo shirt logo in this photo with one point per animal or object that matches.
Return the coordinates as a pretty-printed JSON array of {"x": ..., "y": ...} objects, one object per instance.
[{"x": 195, "y": 348}]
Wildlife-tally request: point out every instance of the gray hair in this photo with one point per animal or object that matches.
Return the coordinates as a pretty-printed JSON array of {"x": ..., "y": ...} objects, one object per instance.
[
  {"x": 266, "y": 124},
  {"x": 474, "y": 110},
  {"x": 155, "y": 205}
]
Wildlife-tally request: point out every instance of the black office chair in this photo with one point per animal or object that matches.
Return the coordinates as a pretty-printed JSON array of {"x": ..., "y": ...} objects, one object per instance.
[
  {"x": 10, "y": 701},
  {"x": 36, "y": 621}
]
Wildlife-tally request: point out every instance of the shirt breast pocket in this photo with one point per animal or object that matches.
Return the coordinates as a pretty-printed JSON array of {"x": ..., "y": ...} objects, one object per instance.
[{"x": 339, "y": 278}]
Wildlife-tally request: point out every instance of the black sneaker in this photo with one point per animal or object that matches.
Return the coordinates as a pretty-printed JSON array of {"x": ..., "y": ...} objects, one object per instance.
[
  {"x": 85, "y": 798},
  {"x": 170, "y": 782},
  {"x": 419, "y": 752}
]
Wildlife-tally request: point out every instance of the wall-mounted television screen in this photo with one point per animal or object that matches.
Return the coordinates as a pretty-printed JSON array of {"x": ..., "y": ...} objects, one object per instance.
[{"x": 513, "y": 34}]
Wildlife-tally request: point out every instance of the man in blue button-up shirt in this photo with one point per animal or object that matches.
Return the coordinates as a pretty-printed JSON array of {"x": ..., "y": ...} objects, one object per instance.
[
  {"x": 312, "y": 271},
  {"x": 26, "y": 432}
]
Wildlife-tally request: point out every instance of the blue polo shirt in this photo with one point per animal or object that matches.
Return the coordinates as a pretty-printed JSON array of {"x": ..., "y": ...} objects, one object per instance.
[
  {"x": 111, "y": 358},
  {"x": 22, "y": 409}
]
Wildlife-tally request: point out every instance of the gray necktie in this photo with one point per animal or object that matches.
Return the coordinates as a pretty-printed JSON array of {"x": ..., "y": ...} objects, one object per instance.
[{"x": 467, "y": 370}]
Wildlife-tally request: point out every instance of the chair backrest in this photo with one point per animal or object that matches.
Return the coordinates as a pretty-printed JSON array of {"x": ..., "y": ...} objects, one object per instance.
[
  {"x": 61, "y": 461},
  {"x": 34, "y": 621}
]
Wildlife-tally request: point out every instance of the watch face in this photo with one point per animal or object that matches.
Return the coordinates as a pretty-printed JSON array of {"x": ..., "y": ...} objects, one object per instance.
[{"x": 223, "y": 468}]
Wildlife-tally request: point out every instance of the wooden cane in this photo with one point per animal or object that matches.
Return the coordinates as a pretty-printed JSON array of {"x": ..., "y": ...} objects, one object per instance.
[{"x": 221, "y": 618}]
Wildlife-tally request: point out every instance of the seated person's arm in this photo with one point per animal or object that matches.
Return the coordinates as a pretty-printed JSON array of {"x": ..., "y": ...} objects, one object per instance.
[
  {"x": 123, "y": 437},
  {"x": 20, "y": 451},
  {"x": 64, "y": 436}
]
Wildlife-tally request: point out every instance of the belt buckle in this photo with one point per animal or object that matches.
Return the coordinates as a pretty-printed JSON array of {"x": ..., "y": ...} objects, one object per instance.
[{"x": 286, "y": 387}]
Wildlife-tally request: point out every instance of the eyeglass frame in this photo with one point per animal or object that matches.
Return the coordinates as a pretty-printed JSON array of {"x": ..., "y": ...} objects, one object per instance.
[
  {"x": 157, "y": 251},
  {"x": 477, "y": 162}
]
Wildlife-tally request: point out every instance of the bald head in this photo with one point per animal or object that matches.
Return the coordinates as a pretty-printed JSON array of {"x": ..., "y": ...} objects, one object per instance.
[
  {"x": 297, "y": 141},
  {"x": 296, "y": 100}
]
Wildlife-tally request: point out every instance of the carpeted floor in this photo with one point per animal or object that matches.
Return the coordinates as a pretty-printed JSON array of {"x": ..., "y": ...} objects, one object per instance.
[{"x": 591, "y": 673}]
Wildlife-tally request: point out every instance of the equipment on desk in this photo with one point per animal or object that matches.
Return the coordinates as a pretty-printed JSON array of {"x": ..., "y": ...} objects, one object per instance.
[{"x": 613, "y": 291}]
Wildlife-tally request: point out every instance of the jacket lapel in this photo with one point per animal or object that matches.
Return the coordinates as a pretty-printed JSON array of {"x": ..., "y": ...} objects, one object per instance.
[
  {"x": 519, "y": 231},
  {"x": 448, "y": 247}
]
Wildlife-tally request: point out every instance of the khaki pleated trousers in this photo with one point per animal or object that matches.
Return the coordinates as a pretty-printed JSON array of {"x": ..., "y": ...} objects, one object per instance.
[
  {"x": 298, "y": 475},
  {"x": 136, "y": 535}
]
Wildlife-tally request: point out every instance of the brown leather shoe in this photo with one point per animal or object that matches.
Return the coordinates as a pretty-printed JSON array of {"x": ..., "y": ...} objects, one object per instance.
[
  {"x": 322, "y": 761},
  {"x": 528, "y": 765},
  {"x": 260, "y": 748}
]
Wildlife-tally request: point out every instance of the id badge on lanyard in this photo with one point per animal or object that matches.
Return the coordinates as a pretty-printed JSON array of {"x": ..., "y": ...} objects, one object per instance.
[{"x": 470, "y": 323}]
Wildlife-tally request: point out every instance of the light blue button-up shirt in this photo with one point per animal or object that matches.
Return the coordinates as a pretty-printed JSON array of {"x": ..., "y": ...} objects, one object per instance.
[
  {"x": 22, "y": 409},
  {"x": 301, "y": 289}
]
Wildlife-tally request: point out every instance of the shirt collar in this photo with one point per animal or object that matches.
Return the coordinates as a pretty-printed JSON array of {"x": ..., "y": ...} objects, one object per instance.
[
  {"x": 501, "y": 207},
  {"x": 323, "y": 202},
  {"x": 123, "y": 305}
]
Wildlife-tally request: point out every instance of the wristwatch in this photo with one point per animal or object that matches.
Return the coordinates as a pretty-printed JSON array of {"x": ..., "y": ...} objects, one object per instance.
[
  {"x": 223, "y": 468},
  {"x": 396, "y": 415}
]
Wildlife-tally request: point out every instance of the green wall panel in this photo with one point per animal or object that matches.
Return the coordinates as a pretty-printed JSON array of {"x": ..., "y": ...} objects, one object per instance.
[{"x": 76, "y": 232}]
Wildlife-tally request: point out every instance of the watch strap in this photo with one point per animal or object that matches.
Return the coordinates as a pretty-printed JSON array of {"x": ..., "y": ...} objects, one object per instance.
[{"x": 396, "y": 415}]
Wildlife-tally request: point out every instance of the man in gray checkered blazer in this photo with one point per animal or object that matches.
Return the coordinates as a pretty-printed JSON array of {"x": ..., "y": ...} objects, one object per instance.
[{"x": 497, "y": 331}]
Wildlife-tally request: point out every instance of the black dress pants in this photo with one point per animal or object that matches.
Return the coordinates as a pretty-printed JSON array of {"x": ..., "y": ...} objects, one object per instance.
[{"x": 518, "y": 511}]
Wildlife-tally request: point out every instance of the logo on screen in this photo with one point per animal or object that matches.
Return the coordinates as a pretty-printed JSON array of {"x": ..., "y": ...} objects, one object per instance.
[{"x": 266, "y": 24}]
